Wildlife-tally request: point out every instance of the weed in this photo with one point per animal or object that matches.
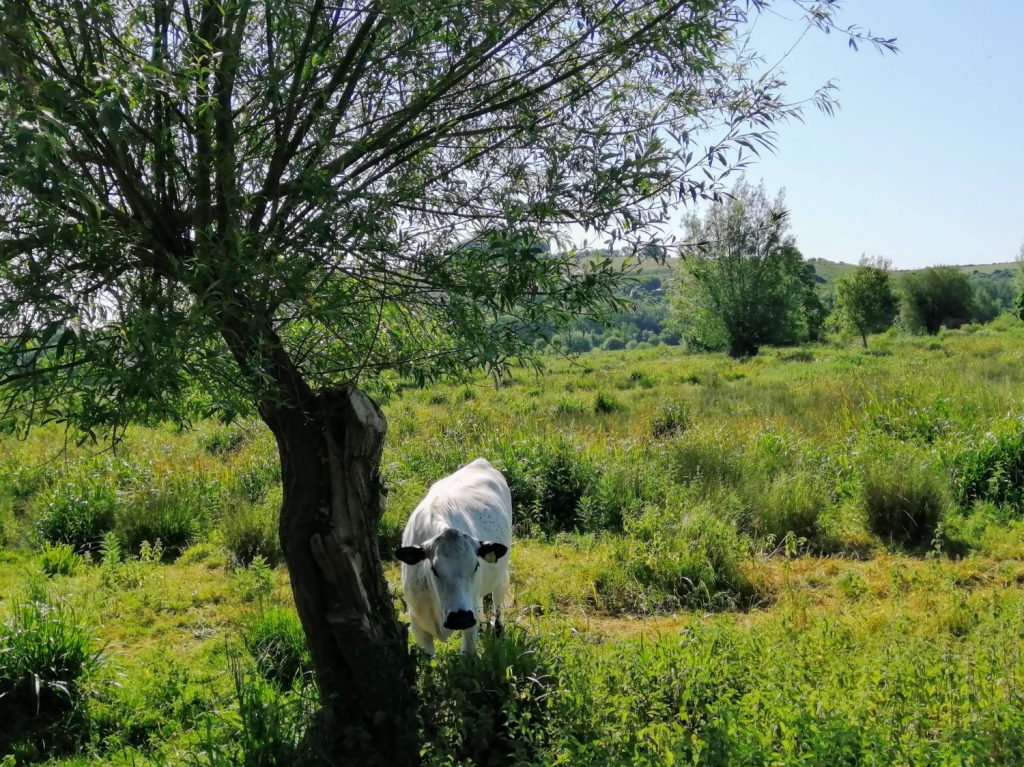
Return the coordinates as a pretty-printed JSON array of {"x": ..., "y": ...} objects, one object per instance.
[
  {"x": 904, "y": 499},
  {"x": 487, "y": 709},
  {"x": 278, "y": 646},
  {"x": 605, "y": 404},
  {"x": 58, "y": 559},
  {"x": 254, "y": 581},
  {"x": 223, "y": 441},
  {"x": 78, "y": 512},
  {"x": 251, "y": 531},
  {"x": 45, "y": 655},
  {"x": 671, "y": 421}
]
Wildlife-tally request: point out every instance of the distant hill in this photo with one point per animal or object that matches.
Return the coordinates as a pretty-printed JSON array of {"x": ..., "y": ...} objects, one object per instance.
[{"x": 830, "y": 271}]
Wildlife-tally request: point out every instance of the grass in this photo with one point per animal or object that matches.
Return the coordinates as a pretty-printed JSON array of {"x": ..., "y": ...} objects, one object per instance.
[{"x": 810, "y": 557}]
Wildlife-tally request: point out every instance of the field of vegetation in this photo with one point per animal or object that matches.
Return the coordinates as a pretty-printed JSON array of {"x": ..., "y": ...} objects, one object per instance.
[{"x": 811, "y": 557}]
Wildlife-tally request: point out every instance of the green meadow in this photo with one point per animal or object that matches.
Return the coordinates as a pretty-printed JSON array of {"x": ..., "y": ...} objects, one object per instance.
[{"x": 811, "y": 557}]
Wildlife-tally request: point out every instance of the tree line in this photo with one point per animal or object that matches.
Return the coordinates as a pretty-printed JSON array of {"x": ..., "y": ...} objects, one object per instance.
[{"x": 742, "y": 283}]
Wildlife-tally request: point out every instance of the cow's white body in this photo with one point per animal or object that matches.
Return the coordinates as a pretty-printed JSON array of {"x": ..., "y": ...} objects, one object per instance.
[{"x": 470, "y": 506}]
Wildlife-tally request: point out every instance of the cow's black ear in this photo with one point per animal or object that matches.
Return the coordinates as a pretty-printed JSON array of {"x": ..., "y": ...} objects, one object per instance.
[
  {"x": 411, "y": 555},
  {"x": 491, "y": 551}
]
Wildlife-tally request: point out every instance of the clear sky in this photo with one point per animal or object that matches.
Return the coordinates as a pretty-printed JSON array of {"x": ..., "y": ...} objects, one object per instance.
[{"x": 924, "y": 162}]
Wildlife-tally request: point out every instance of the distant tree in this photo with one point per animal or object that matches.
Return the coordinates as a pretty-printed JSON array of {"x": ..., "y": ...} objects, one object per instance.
[
  {"x": 743, "y": 282},
  {"x": 941, "y": 295},
  {"x": 865, "y": 299}
]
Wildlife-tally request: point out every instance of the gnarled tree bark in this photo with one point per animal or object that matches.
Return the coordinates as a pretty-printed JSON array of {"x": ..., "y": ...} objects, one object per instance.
[{"x": 330, "y": 447}]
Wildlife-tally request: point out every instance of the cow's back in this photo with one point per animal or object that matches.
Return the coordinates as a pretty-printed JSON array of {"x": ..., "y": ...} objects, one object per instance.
[{"x": 475, "y": 499}]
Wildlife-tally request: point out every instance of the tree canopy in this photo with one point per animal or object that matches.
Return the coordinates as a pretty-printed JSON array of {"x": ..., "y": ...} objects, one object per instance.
[
  {"x": 941, "y": 295},
  {"x": 865, "y": 299},
  {"x": 743, "y": 282}
]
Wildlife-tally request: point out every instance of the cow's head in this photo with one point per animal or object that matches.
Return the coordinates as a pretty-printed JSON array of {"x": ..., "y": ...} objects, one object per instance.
[{"x": 454, "y": 560}]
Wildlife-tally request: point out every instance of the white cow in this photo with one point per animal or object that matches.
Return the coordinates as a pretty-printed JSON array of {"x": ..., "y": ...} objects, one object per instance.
[{"x": 453, "y": 554}]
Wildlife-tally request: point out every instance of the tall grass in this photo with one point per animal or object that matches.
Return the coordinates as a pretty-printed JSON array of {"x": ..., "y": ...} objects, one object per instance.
[{"x": 45, "y": 657}]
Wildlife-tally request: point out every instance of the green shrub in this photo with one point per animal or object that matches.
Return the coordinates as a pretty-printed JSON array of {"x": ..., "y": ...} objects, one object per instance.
[
  {"x": 174, "y": 514},
  {"x": 671, "y": 420},
  {"x": 548, "y": 478},
  {"x": 787, "y": 504},
  {"x": 253, "y": 582},
  {"x": 904, "y": 499},
  {"x": 674, "y": 559},
  {"x": 264, "y": 728},
  {"x": 22, "y": 480},
  {"x": 45, "y": 656},
  {"x": 251, "y": 531},
  {"x": 254, "y": 481},
  {"x": 992, "y": 468},
  {"x": 223, "y": 440},
  {"x": 78, "y": 512},
  {"x": 278, "y": 647},
  {"x": 605, "y": 404},
  {"x": 570, "y": 407},
  {"x": 903, "y": 418},
  {"x": 487, "y": 709},
  {"x": 706, "y": 458},
  {"x": 58, "y": 559}
]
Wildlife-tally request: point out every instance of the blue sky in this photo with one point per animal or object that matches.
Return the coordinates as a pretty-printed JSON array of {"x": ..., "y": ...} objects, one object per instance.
[{"x": 923, "y": 162}]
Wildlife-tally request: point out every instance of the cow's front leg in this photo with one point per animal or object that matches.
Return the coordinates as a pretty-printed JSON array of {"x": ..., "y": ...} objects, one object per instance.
[
  {"x": 499, "y": 627},
  {"x": 469, "y": 639},
  {"x": 424, "y": 639}
]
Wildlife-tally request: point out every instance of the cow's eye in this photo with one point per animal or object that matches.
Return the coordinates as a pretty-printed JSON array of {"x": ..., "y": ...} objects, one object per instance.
[
  {"x": 434, "y": 570},
  {"x": 477, "y": 567}
]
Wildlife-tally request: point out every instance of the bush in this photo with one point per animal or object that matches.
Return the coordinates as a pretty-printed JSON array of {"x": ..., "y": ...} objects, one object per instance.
[
  {"x": 487, "y": 709},
  {"x": 266, "y": 728},
  {"x": 605, "y": 404},
  {"x": 278, "y": 646},
  {"x": 676, "y": 559},
  {"x": 58, "y": 559},
  {"x": 253, "y": 482},
  {"x": 251, "y": 531},
  {"x": 44, "y": 657},
  {"x": 904, "y": 499},
  {"x": 548, "y": 478},
  {"x": 173, "y": 514},
  {"x": 992, "y": 468},
  {"x": 710, "y": 459},
  {"x": 673, "y": 419},
  {"x": 224, "y": 440},
  {"x": 787, "y": 504},
  {"x": 613, "y": 344},
  {"x": 78, "y": 513}
]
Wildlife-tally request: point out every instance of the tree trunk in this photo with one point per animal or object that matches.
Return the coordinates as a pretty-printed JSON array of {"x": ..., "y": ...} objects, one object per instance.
[{"x": 330, "y": 447}]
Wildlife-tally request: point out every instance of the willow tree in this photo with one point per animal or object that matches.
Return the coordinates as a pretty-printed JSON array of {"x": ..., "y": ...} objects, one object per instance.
[{"x": 213, "y": 207}]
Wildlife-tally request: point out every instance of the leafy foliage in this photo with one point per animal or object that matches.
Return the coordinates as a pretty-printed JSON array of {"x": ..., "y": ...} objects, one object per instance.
[
  {"x": 78, "y": 512},
  {"x": 865, "y": 301},
  {"x": 935, "y": 297},
  {"x": 904, "y": 499},
  {"x": 44, "y": 657},
  {"x": 490, "y": 709},
  {"x": 744, "y": 283},
  {"x": 381, "y": 203}
]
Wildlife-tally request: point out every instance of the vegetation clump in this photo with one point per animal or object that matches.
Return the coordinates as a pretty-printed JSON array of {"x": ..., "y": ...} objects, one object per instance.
[{"x": 45, "y": 659}]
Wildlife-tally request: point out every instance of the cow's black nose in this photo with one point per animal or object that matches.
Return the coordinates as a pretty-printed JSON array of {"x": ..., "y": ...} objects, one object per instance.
[{"x": 460, "y": 619}]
